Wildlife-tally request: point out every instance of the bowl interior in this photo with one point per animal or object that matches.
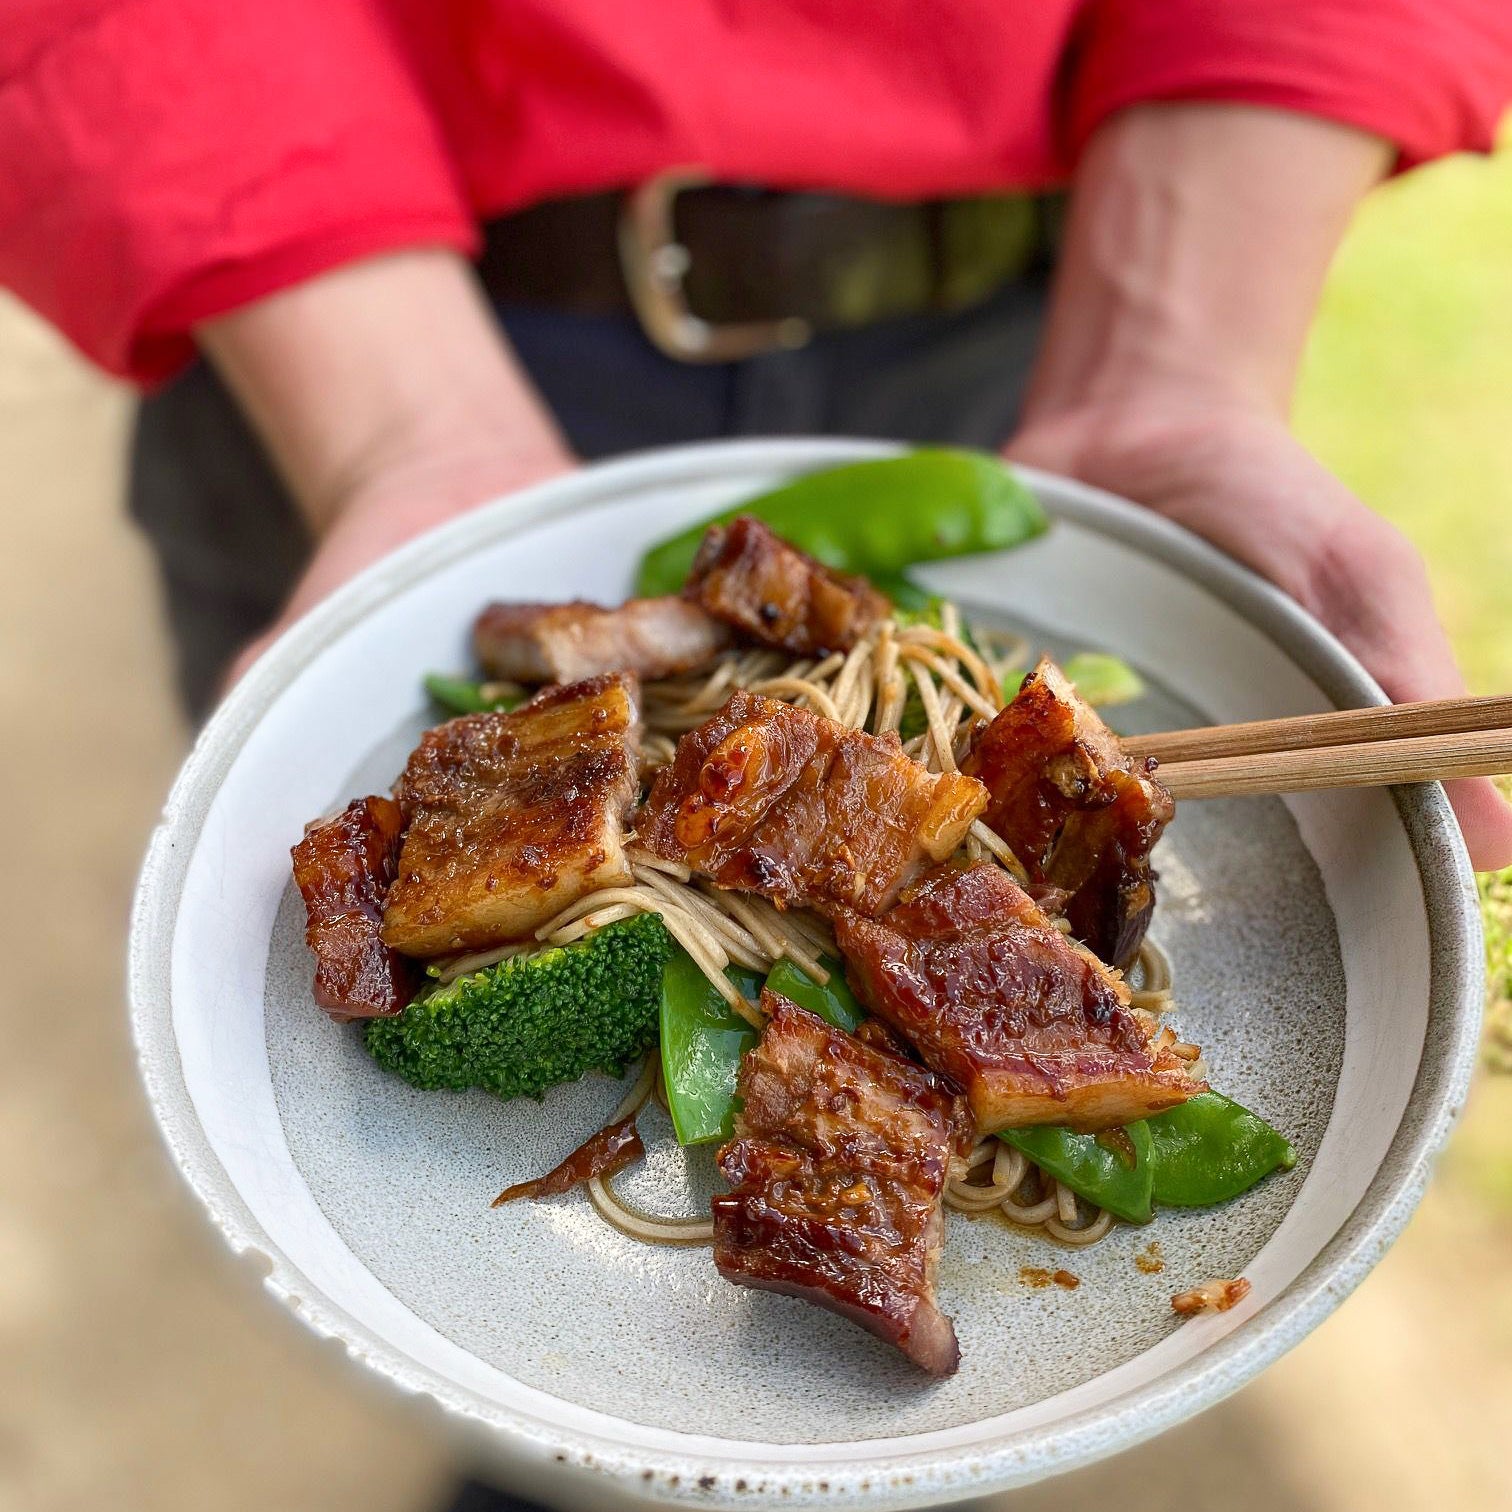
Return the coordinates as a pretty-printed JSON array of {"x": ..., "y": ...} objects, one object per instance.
[{"x": 1299, "y": 933}]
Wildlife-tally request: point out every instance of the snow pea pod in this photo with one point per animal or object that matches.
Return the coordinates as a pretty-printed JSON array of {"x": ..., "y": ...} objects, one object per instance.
[
  {"x": 876, "y": 518},
  {"x": 460, "y": 695},
  {"x": 1113, "y": 1170},
  {"x": 702, "y": 1040},
  {"x": 834, "y": 1002},
  {"x": 1210, "y": 1149},
  {"x": 912, "y": 603},
  {"x": 1102, "y": 679}
]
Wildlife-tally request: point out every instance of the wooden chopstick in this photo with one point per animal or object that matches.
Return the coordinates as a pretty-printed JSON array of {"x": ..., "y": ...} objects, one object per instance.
[
  {"x": 1448, "y": 716},
  {"x": 1376, "y": 763},
  {"x": 1418, "y": 742}
]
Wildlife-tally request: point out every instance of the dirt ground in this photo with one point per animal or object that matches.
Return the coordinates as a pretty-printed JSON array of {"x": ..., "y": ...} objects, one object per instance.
[{"x": 140, "y": 1369}]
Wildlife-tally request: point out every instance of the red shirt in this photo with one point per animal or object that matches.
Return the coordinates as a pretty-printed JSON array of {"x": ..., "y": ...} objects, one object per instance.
[{"x": 162, "y": 161}]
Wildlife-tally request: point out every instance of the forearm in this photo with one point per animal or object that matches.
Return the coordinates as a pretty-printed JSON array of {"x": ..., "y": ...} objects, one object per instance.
[
  {"x": 1199, "y": 240},
  {"x": 388, "y": 400},
  {"x": 1196, "y": 249},
  {"x": 378, "y": 369}
]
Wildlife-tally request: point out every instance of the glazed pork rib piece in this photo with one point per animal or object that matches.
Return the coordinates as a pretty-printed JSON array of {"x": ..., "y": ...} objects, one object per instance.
[
  {"x": 769, "y": 798},
  {"x": 343, "y": 867},
  {"x": 839, "y": 1163},
  {"x": 778, "y": 596},
  {"x": 1077, "y": 810},
  {"x": 564, "y": 643},
  {"x": 1034, "y": 1030},
  {"x": 514, "y": 816}
]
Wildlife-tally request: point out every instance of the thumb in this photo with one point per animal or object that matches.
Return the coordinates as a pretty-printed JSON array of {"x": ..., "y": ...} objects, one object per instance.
[
  {"x": 1372, "y": 590},
  {"x": 1486, "y": 818}
]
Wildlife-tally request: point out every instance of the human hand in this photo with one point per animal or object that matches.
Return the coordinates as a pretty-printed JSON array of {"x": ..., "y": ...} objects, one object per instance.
[
  {"x": 1198, "y": 241},
  {"x": 1233, "y": 474},
  {"x": 405, "y": 497}
]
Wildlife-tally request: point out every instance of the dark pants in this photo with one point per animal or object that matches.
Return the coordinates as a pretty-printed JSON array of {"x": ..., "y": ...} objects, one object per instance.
[{"x": 229, "y": 541}]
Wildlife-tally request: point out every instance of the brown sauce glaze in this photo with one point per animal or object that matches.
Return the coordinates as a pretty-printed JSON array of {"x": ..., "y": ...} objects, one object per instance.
[{"x": 1039, "y": 1278}]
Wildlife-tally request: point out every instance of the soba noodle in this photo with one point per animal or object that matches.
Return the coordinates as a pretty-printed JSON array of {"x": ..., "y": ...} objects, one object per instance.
[{"x": 949, "y": 686}]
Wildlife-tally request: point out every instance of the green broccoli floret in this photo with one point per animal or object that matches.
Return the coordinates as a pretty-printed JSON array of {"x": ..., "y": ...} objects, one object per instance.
[{"x": 522, "y": 1026}]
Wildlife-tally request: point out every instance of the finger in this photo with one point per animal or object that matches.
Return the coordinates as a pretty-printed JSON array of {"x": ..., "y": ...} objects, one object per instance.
[
  {"x": 1427, "y": 671},
  {"x": 1420, "y": 665},
  {"x": 241, "y": 664},
  {"x": 1378, "y": 600},
  {"x": 1485, "y": 816}
]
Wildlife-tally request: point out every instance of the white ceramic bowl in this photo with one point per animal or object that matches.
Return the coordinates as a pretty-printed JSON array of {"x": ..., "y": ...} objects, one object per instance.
[{"x": 1327, "y": 954}]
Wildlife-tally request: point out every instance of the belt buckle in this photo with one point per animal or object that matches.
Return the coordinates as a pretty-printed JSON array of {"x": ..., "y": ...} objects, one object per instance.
[{"x": 655, "y": 265}]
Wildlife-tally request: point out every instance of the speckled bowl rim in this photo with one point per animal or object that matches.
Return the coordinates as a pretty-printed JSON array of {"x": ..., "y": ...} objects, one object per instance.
[{"x": 536, "y": 1446}]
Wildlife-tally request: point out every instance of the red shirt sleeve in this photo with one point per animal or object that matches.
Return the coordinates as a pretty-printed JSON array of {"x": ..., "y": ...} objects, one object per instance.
[
  {"x": 162, "y": 161},
  {"x": 1432, "y": 76}
]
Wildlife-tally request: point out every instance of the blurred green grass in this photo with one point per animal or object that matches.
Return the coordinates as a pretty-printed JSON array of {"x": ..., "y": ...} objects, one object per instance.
[{"x": 1406, "y": 393}]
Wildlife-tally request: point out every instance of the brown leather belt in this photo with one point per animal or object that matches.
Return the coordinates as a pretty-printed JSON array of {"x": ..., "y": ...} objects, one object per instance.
[{"x": 717, "y": 272}]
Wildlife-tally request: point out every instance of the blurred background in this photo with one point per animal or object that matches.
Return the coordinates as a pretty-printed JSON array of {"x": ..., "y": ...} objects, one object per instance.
[{"x": 141, "y": 1368}]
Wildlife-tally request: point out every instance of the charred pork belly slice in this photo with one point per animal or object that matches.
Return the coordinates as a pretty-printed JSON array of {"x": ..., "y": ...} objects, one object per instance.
[
  {"x": 343, "y": 868},
  {"x": 839, "y": 1163},
  {"x": 540, "y": 643},
  {"x": 514, "y": 816},
  {"x": 1080, "y": 813},
  {"x": 993, "y": 996},
  {"x": 773, "y": 799},
  {"x": 775, "y": 594},
  {"x": 1103, "y": 863}
]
